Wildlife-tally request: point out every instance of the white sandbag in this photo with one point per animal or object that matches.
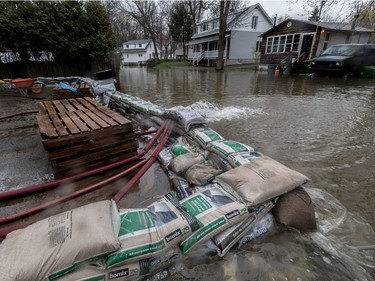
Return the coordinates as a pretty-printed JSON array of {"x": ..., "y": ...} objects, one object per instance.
[
  {"x": 186, "y": 117},
  {"x": 261, "y": 227},
  {"x": 262, "y": 180},
  {"x": 132, "y": 271},
  {"x": 226, "y": 147},
  {"x": 179, "y": 149},
  {"x": 201, "y": 173},
  {"x": 150, "y": 231},
  {"x": 203, "y": 136},
  {"x": 57, "y": 245},
  {"x": 238, "y": 159},
  {"x": 180, "y": 184},
  {"x": 181, "y": 163},
  {"x": 219, "y": 162},
  {"x": 165, "y": 157},
  {"x": 225, "y": 240},
  {"x": 215, "y": 209}
]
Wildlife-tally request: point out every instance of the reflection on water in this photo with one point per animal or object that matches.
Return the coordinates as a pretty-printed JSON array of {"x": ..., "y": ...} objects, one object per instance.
[{"x": 322, "y": 127}]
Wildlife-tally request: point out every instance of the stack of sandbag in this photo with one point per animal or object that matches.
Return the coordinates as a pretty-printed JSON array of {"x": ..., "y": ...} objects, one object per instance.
[{"x": 61, "y": 243}]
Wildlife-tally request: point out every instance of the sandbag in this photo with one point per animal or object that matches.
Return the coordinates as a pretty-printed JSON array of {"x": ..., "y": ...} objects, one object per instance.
[
  {"x": 225, "y": 240},
  {"x": 203, "y": 136},
  {"x": 150, "y": 231},
  {"x": 57, "y": 245},
  {"x": 264, "y": 225},
  {"x": 201, "y": 174},
  {"x": 218, "y": 162},
  {"x": 186, "y": 117},
  {"x": 226, "y": 147},
  {"x": 132, "y": 271},
  {"x": 180, "y": 184},
  {"x": 296, "y": 209},
  {"x": 181, "y": 163},
  {"x": 238, "y": 159},
  {"x": 262, "y": 180},
  {"x": 215, "y": 209}
]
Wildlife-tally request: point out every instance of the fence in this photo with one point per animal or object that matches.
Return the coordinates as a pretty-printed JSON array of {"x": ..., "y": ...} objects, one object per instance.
[{"x": 51, "y": 69}]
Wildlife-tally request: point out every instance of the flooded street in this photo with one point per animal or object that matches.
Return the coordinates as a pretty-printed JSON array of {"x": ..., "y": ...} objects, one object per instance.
[{"x": 321, "y": 127}]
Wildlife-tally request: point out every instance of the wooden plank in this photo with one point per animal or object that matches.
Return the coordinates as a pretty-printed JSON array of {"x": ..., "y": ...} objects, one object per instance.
[
  {"x": 73, "y": 129},
  {"x": 86, "y": 136},
  {"x": 76, "y": 104},
  {"x": 67, "y": 105},
  {"x": 91, "y": 146},
  {"x": 95, "y": 157},
  {"x": 59, "y": 126},
  {"x": 59, "y": 106},
  {"x": 50, "y": 108},
  {"x": 89, "y": 122},
  {"x": 45, "y": 127},
  {"x": 41, "y": 108},
  {"x": 78, "y": 122},
  {"x": 100, "y": 114},
  {"x": 96, "y": 118}
]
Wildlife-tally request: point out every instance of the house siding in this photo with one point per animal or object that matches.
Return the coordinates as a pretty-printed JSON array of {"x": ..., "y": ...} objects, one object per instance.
[
  {"x": 283, "y": 29},
  {"x": 243, "y": 38}
]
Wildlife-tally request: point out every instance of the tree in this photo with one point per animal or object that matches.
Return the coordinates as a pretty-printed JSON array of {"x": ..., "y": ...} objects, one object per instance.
[
  {"x": 224, "y": 10},
  {"x": 70, "y": 30},
  {"x": 146, "y": 14},
  {"x": 180, "y": 24},
  {"x": 314, "y": 14}
]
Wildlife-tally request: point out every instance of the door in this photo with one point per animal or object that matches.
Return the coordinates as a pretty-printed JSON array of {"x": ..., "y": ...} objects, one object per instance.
[{"x": 307, "y": 41}]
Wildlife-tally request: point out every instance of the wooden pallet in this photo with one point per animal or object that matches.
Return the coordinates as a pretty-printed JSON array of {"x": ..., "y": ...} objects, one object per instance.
[
  {"x": 83, "y": 90},
  {"x": 80, "y": 134}
]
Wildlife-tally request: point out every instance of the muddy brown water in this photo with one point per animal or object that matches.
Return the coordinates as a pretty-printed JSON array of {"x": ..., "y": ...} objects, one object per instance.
[{"x": 321, "y": 127}]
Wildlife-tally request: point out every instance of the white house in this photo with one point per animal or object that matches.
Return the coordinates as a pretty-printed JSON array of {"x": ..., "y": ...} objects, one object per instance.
[
  {"x": 137, "y": 51},
  {"x": 242, "y": 37}
]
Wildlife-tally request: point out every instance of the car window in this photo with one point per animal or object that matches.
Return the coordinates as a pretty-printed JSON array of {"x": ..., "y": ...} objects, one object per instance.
[{"x": 341, "y": 50}]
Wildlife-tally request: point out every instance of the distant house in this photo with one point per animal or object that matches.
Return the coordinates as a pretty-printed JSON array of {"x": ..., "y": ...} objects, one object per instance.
[
  {"x": 137, "y": 51},
  {"x": 297, "y": 40},
  {"x": 242, "y": 38}
]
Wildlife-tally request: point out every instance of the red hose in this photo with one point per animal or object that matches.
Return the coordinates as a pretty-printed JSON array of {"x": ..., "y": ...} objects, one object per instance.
[
  {"x": 167, "y": 128},
  {"x": 62, "y": 199},
  {"x": 18, "y": 193},
  {"x": 18, "y": 113},
  {"x": 150, "y": 160}
]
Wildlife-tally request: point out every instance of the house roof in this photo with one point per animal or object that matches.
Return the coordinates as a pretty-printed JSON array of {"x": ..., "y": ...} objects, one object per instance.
[
  {"x": 327, "y": 25},
  {"x": 231, "y": 20},
  {"x": 137, "y": 41}
]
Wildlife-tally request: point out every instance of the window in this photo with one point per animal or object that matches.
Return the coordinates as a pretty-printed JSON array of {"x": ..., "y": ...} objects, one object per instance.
[
  {"x": 140, "y": 55},
  {"x": 254, "y": 22},
  {"x": 283, "y": 43},
  {"x": 328, "y": 35},
  {"x": 204, "y": 27},
  {"x": 257, "y": 48},
  {"x": 127, "y": 46},
  {"x": 140, "y": 45}
]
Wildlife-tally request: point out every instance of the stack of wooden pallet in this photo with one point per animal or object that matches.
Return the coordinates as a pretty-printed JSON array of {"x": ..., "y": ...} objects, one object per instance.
[
  {"x": 83, "y": 90},
  {"x": 80, "y": 134}
]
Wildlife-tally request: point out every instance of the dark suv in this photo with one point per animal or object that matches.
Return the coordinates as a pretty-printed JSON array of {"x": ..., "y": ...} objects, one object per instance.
[{"x": 344, "y": 60}]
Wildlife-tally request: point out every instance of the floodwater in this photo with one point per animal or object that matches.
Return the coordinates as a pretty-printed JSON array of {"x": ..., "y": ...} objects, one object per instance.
[{"x": 321, "y": 127}]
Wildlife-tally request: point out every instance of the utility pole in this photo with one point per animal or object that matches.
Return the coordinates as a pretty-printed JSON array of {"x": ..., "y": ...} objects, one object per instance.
[
  {"x": 322, "y": 3},
  {"x": 354, "y": 23}
]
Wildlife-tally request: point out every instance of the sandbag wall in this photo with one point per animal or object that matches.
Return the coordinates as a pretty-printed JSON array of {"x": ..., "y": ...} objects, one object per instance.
[{"x": 223, "y": 192}]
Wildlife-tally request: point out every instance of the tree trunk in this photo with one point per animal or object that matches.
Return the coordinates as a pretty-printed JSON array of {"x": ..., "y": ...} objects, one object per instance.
[{"x": 224, "y": 9}]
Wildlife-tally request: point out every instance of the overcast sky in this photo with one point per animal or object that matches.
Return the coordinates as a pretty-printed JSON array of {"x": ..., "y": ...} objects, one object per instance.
[{"x": 281, "y": 7}]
